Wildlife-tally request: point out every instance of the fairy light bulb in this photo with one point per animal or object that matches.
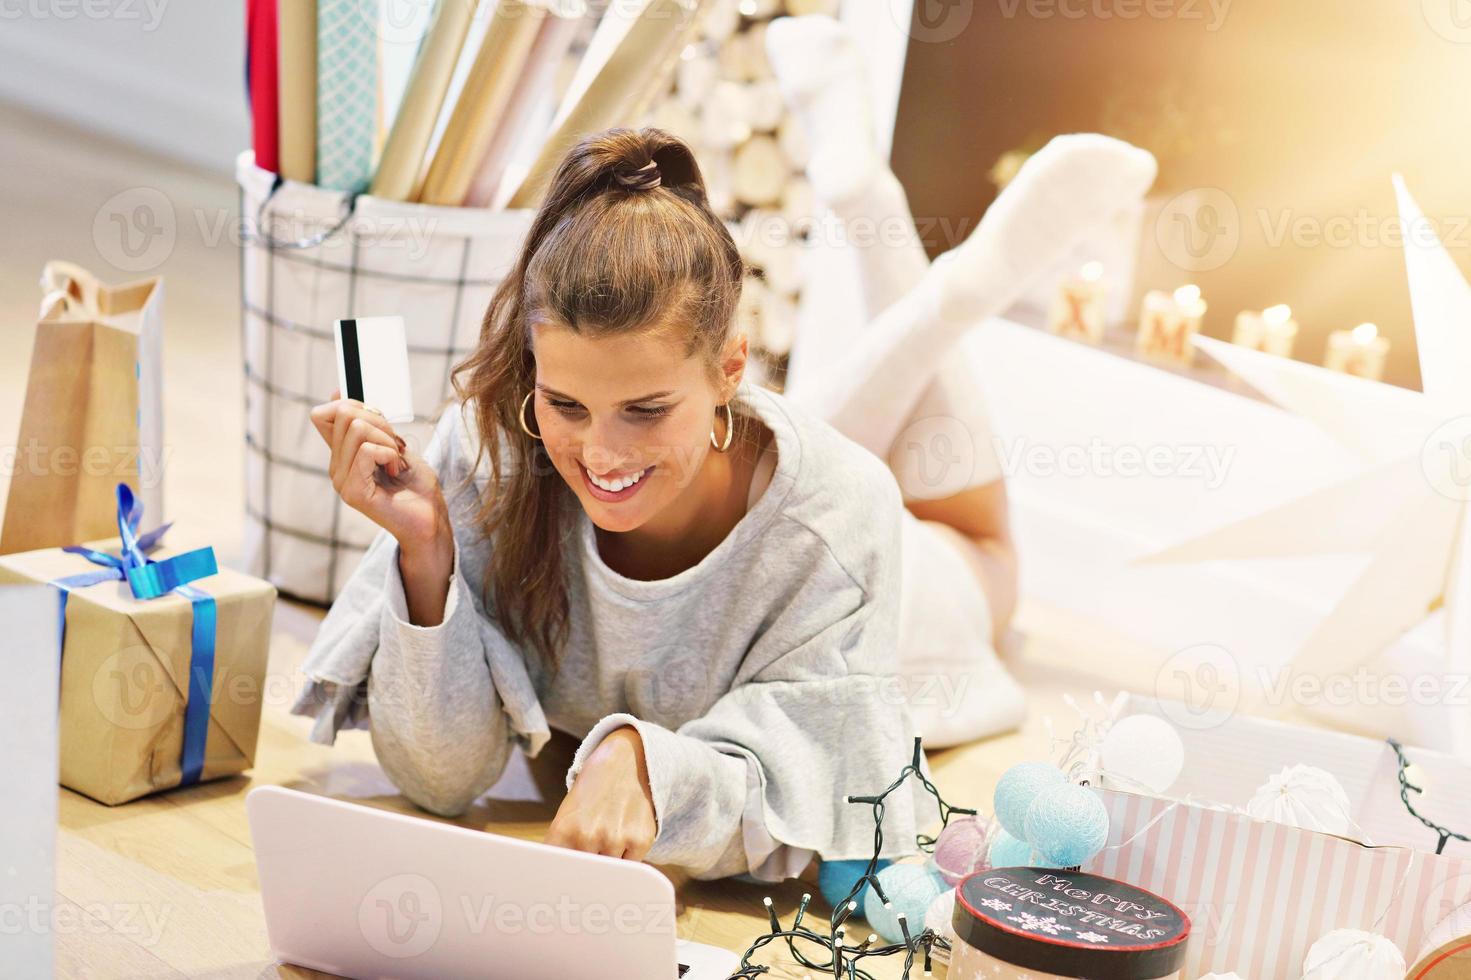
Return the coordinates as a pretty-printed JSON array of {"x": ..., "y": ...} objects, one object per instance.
[
  {"x": 1365, "y": 333},
  {"x": 1415, "y": 776},
  {"x": 1091, "y": 271}
]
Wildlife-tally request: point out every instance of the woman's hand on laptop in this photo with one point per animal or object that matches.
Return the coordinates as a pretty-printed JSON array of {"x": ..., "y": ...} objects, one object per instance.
[{"x": 610, "y": 808}]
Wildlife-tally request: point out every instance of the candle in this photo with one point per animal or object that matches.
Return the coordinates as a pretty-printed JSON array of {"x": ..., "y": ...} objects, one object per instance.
[
  {"x": 1273, "y": 330},
  {"x": 1360, "y": 351},
  {"x": 1077, "y": 309},
  {"x": 1167, "y": 322}
]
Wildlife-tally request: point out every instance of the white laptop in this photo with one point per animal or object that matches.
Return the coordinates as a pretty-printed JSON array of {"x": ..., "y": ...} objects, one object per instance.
[{"x": 365, "y": 893}]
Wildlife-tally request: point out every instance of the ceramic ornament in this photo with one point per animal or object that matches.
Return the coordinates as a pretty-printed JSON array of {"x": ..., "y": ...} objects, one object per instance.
[
  {"x": 1407, "y": 510},
  {"x": 1306, "y": 797},
  {"x": 1353, "y": 954}
]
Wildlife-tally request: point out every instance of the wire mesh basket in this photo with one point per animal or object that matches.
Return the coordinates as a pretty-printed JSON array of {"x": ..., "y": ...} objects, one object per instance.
[{"x": 308, "y": 257}]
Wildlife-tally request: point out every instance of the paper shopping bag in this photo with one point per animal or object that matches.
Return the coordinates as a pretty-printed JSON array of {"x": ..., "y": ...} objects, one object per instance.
[{"x": 93, "y": 413}]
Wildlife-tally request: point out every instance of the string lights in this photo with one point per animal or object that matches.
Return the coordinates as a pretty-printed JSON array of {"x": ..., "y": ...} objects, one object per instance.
[
  {"x": 1410, "y": 781},
  {"x": 841, "y": 959}
]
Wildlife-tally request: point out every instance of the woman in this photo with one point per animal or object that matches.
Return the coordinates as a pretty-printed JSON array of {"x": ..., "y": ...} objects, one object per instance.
[{"x": 612, "y": 536}]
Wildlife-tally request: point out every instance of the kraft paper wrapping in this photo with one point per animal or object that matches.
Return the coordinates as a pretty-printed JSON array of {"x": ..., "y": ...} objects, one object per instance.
[
  {"x": 629, "y": 60},
  {"x": 538, "y": 76},
  {"x": 297, "y": 30},
  {"x": 400, "y": 169},
  {"x": 125, "y": 674},
  {"x": 93, "y": 412},
  {"x": 480, "y": 110}
]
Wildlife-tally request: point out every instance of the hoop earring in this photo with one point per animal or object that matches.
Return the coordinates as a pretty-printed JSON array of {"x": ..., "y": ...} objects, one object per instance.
[
  {"x": 722, "y": 446},
  {"x": 524, "y": 427}
]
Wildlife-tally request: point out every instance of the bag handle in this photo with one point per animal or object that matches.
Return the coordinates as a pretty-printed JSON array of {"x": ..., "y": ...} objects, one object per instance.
[
  {"x": 260, "y": 234},
  {"x": 70, "y": 285}
]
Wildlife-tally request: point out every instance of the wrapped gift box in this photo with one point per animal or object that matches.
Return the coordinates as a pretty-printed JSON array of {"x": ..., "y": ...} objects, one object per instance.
[
  {"x": 125, "y": 674},
  {"x": 1261, "y": 893}
]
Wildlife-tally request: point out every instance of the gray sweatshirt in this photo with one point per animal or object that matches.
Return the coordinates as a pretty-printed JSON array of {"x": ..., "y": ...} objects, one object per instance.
[{"x": 761, "y": 680}]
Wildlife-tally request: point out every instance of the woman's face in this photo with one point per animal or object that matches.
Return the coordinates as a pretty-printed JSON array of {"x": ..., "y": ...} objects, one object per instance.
[{"x": 626, "y": 418}]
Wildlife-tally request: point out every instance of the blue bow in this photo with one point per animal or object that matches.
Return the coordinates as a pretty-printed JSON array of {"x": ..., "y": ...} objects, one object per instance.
[{"x": 150, "y": 579}]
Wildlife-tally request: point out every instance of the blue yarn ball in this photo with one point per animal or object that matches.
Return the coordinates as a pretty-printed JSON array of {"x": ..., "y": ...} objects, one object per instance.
[
  {"x": 1067, "y": 824},
  {"x": 1008, "y": 852},
  {"x": 1016, "y": 790},
  {"x": 835, "y": 879},
  {"x": 911, "y": 889}
]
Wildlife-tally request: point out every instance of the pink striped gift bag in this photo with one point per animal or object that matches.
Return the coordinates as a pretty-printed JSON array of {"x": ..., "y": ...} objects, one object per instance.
[{"x": 1259, "y": 893}]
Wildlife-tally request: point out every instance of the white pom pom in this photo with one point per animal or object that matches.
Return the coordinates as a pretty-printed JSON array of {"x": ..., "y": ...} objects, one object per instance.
[
  {"x": 941, "y": 914},
  {"x": 1145, "y": 749},
  {"x": 1353, "y": 954},
  {"x": 1303, "y": 796}
]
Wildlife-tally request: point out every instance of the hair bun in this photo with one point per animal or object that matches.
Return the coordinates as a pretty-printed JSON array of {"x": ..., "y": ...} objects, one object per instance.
[{"x": 644, "y": 178}]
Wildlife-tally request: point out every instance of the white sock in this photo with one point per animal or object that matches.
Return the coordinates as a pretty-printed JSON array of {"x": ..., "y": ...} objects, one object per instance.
[
  {"x": 1062, "y": 193},
  {"x": 829, "y": 100},
  {"x": 820, "y": 73},
  {"x": 1069, "y": 187}
]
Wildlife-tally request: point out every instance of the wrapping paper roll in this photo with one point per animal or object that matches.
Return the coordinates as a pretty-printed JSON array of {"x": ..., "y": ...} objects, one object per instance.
[
  {"x": 536, "y": 82},
  {"x": 261, "y": 62},
  {"x": 297, "y": 30},
  {"x": 347, "y": 95},
  {"x": 631, "y": 58},
  {"x": 400, "y": 170},
  {"x": 480, "y": 110}
]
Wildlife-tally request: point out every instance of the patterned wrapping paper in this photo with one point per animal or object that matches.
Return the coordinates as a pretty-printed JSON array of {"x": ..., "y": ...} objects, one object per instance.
[
  {"x": 347, "y": 95},
  {"x": 1261, "y": 893}
]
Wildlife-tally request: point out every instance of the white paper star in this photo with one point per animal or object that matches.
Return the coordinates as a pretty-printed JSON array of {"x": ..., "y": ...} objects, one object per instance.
[{"x": 1408, "y": 509}]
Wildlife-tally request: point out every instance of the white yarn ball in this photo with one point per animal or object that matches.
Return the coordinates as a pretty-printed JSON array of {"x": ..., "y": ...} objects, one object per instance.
[
  {"x": 1144, "y": 748},
  {"x": 1353, "y": 954},
  {"x": 1303, "y": 796},
  {"x": 941, "y": 915}
]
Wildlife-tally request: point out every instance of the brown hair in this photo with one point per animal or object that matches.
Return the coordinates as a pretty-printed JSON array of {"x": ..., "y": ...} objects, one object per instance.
[{"x": 625, "y": 240}]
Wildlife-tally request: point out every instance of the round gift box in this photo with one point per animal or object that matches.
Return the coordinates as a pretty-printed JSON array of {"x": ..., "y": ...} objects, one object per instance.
[{"x": 1046, "y": 922}]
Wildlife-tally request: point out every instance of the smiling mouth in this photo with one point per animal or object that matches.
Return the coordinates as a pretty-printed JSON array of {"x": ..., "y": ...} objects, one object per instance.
[{"x": 618, "y": 488}]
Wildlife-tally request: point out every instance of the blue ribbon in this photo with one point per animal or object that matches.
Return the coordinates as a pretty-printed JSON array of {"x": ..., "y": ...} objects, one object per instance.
[{"x": 150, "y": 579}]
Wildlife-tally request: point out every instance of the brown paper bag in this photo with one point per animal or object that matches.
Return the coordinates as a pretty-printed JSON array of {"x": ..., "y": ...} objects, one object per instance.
[
  {"x": 125, "y": 675},
  {"x": 93, "y": 414}
]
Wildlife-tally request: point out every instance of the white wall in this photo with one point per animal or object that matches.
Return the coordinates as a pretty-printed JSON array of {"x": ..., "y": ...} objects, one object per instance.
[{"x": 165, "y": 74}]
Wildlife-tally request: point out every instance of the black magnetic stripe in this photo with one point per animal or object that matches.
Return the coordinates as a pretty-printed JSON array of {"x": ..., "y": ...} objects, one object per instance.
[{"x": 350, "y": 363}]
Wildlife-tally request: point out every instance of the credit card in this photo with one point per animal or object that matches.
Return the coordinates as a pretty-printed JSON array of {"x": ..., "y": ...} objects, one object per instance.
[{"x": 373, "y": 364}]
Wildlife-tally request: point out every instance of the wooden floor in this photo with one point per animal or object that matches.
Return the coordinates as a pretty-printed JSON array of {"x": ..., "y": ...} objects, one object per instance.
[{"x": 166, "y": 886}]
